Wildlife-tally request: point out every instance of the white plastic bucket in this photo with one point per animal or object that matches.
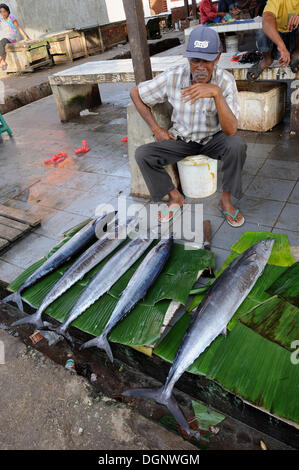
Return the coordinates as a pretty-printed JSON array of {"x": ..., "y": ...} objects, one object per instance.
[
  {"x": 231, "y": 43},
  {"x": 198, "y": 176}
]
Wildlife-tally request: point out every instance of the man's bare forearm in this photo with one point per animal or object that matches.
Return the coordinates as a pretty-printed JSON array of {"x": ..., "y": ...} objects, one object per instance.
[
  {"x": 144, "y": 110},
  {"x": 227, "y": 119},
  {"x": 270, "y": 28}
]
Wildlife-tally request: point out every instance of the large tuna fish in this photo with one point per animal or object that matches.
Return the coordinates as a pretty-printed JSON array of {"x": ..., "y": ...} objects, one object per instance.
[
  {"x": 210, "y": 320},
  {"x": 85, "y": 263},
  {"x": 141, "y": 281},
  {"x": 79, "y": 242}
]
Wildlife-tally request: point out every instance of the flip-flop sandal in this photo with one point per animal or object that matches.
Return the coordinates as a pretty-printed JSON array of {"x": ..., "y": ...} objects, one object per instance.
[
  {"x": 294, "y": 65},
  {"x": 256, "y": 70},
  {"x": 234, "y": 217},
  {"x": 165, "y": 211}
]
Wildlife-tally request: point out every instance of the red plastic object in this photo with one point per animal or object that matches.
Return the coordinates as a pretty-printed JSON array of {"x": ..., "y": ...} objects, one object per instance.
[
  {"x": 83, "y": 149},
  {"x": 237, "y": 57},
  {"x": 60, "y": 157},
  {"x": 125, "y": 139}
]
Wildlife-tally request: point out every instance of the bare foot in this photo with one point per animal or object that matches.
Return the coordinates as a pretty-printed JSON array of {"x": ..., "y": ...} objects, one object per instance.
[
  {"x": 176, "y": 201},
  {"x": 259, "y": 67},
  {"x": 294, "y": 64},
  {"x": 229, "y": 207}
]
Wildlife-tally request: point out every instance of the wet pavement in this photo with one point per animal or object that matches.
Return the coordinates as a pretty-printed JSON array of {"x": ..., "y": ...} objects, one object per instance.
[{"x": 66, "y": 194}]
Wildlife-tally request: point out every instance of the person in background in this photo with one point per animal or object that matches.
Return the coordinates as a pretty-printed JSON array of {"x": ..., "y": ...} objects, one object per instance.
[
  {"x": 279, "y": 38},
  {"x": 228, "y": 6},
  {"x": 243, "y": 8},
  {"x": 209, "y": 12},
  {"x": 10, "y": 27}
]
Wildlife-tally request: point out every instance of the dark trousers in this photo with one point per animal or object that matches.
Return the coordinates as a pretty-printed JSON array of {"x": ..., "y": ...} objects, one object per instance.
[
  {"x": 153, "y": 157},
  {"x": 3, "y": 43}
]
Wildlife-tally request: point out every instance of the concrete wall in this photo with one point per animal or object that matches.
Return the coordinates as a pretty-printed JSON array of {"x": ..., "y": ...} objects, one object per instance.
[{"x": 38, "y": 17}]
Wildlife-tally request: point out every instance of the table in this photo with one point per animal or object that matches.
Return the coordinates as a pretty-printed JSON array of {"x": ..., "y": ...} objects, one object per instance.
[
  {"x": 241, "y": 25},
  {"x": 77, "y": 88}
]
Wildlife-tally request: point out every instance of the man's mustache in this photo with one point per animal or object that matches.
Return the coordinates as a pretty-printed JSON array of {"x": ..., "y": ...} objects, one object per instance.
[{"x": 200, "y": 75}]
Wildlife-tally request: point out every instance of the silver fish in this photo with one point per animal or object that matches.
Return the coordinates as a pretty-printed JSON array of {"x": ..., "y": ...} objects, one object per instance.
[
  {"x": 103, "y": 281},
  {"x": 79, "y": 242},
  {"x": 210, "y": 320},
  {"x": 141, "y": 281},
  {"x": 85, "y": 263}
]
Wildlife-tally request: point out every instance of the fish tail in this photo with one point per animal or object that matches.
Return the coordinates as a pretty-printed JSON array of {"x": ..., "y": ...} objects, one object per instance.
[
  {"x": 100, "y": 342},
  {"x": 34, "y": 319},
  {"x": 158, "y": 395},
  {"x": 60, "y": 331},
  {"x": 16, "y": 298}
]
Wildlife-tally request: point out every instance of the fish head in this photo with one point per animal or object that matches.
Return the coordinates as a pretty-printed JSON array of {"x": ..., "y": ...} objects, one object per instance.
[
  {"x": 165, "y": 243},
  {"x": 264, "y": 248}
]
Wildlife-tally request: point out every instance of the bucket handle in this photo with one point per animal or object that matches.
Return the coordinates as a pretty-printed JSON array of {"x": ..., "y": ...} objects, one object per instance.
[{"x": 198, "y": 164}]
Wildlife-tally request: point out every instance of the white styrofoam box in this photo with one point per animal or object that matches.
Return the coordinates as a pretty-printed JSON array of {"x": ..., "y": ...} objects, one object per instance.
[{"x": 262, "y": 105}]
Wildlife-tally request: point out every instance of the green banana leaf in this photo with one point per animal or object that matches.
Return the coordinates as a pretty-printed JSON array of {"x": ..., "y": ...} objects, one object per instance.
[
  {"x": 287, "y": 285},
  {"x": 276, "y": 320},
  {"x": 280, "y": 255},
  {"x": 246, "y": 364},
  {"x": 205, "y": 416}
]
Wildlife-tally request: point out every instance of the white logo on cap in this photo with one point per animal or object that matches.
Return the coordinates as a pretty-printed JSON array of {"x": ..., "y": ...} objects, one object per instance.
[{"x": 201, "y": 44}]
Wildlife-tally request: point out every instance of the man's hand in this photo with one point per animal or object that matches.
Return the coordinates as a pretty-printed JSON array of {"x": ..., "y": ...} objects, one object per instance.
[
  {"x": 198, "y": 91},
  {"x": 293, "y": 22},
  {"x": 162, "y": 134},
  {"x": 284, "y": 55}
]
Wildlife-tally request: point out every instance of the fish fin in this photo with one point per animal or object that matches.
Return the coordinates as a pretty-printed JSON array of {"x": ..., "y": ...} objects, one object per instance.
[
  {"x": 58, "y": 332},
  {"x": 100, "y": 342},
  {"x": 170, "y": 402},
  {"x": 34, "y": 319},
  {"x": 16, "y": 298},
  {"x": 29, "y": 303}
]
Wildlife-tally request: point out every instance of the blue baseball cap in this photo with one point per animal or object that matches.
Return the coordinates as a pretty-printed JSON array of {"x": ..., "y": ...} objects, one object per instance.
[{"x": 204, "y": 43}]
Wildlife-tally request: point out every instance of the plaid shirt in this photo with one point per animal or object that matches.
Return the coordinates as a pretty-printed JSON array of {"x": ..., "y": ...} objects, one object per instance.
[{"x": 192, "y": 122}]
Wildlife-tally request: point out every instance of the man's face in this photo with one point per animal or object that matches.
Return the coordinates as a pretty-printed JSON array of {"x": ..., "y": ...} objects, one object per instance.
[{"x": 201, "y": 70}]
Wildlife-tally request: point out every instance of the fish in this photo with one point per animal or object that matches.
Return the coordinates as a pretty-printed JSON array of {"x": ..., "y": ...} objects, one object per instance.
[
  {"x": 102, "y": 281},
  {"x": 85, "y": 263},
  {"x": 139, "y": 284},
  {"x": 209, "y": 320},
  {"x": 82, "y": 239}
]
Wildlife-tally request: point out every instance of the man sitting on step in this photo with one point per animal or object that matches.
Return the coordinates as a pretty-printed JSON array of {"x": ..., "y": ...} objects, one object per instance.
[{"x": 205, "y": 114}]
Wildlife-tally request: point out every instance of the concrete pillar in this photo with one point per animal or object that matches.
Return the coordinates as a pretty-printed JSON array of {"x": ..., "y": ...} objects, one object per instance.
[{"x": 139, "y": 133}]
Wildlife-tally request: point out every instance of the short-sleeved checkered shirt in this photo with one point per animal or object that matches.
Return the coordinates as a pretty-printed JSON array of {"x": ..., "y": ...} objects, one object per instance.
[{"x": 192, "y": 122}]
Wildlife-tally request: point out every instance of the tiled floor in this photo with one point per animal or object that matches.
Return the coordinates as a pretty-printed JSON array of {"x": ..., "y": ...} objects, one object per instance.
[{"x": 66, "y": 195}]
